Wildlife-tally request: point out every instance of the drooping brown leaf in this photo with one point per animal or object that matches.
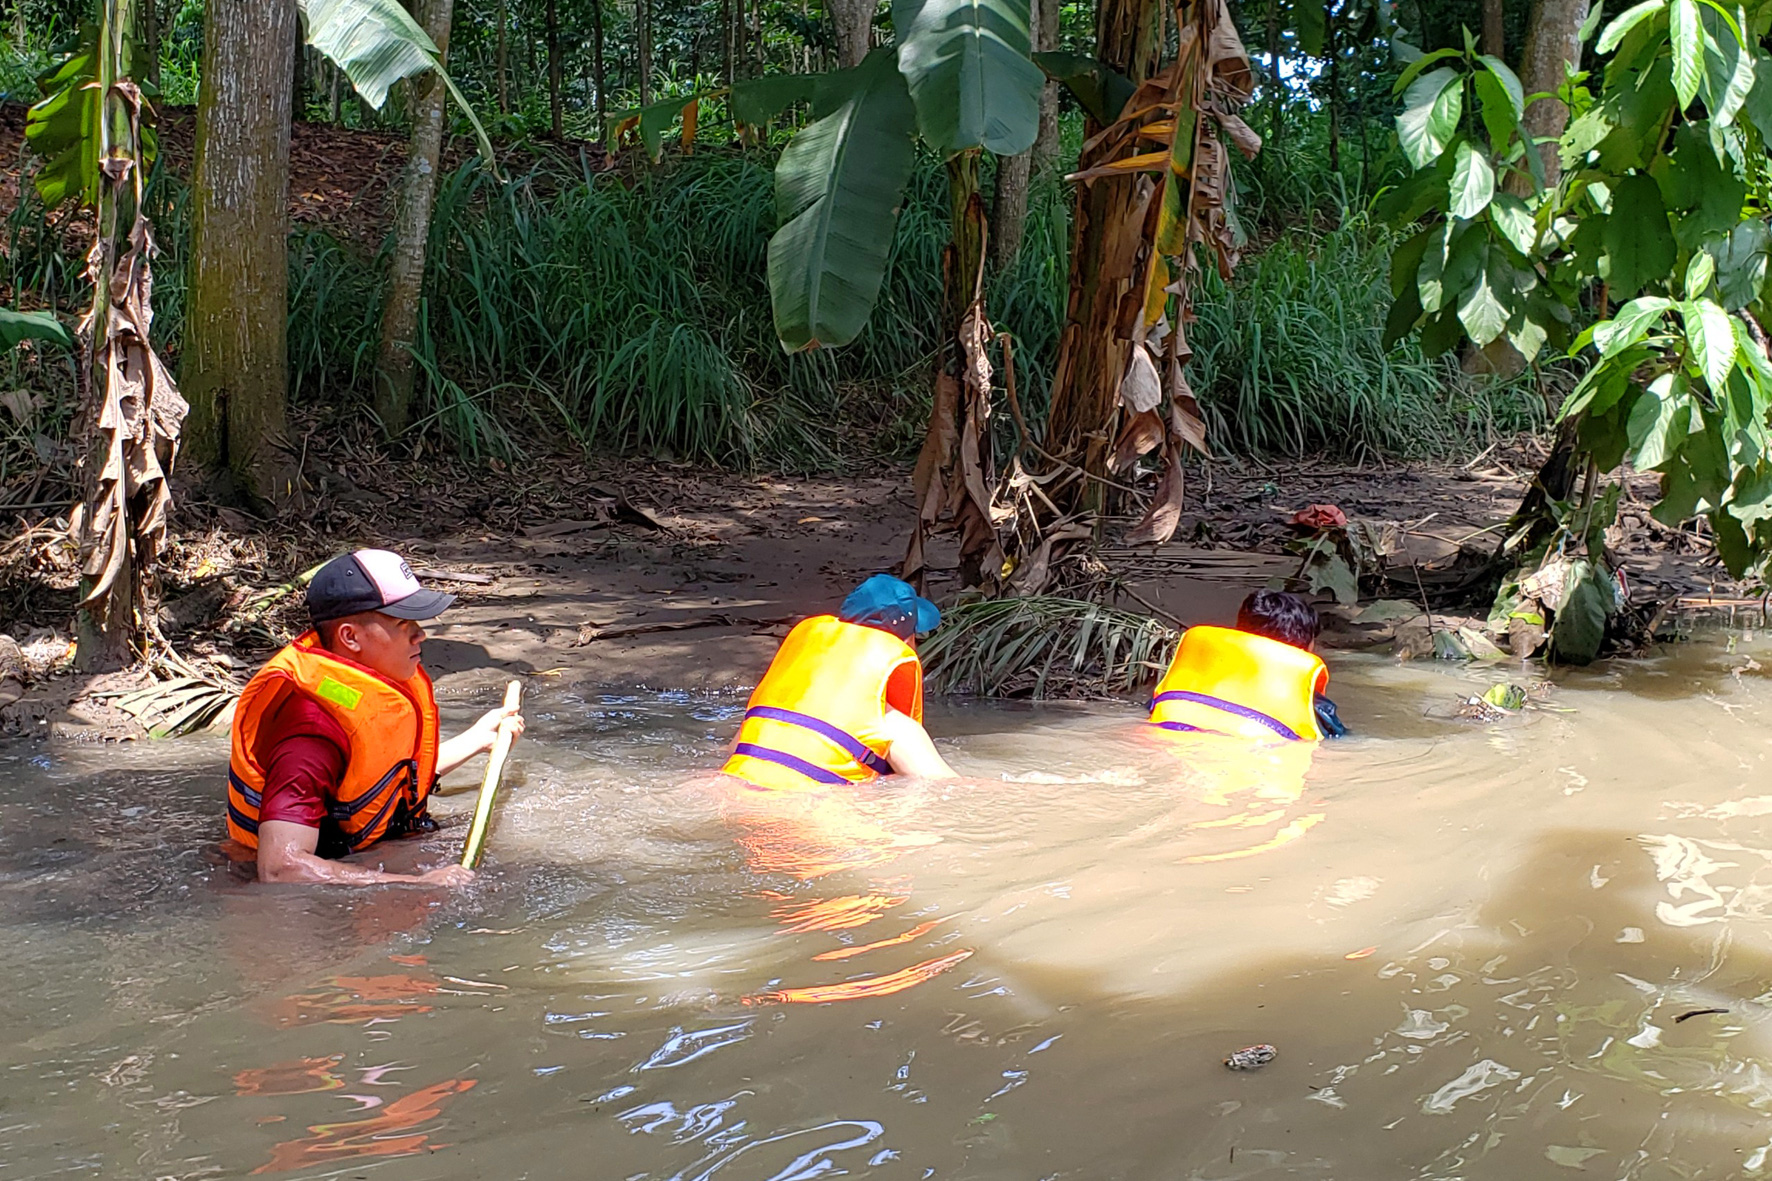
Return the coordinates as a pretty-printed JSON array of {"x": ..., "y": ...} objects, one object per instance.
[
  {"x": 1141, "y": 389},
  {"x": 1164, "y": 514},
  {"x": 1141, "y": 433}
]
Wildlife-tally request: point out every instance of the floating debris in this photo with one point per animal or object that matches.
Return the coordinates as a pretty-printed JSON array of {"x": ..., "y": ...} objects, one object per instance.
[{"x": 1250, "y": 1057}]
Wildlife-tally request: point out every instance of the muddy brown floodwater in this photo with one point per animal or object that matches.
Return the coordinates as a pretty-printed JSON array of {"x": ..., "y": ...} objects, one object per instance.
[{"x": 1525, "y": 949}]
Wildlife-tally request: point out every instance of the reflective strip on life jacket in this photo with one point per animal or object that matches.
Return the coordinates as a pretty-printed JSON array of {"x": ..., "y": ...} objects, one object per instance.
[
  {"x": 857, "y": 749},
  {"x": 1229, "y": 707}
]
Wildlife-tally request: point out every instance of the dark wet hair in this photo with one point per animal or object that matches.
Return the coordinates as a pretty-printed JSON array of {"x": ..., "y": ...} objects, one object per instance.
[{"x": 1280, "y": 615}]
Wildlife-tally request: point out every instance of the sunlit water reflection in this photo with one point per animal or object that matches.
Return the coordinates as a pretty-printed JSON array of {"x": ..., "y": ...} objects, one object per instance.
[{"x": 1482, "y": 952}]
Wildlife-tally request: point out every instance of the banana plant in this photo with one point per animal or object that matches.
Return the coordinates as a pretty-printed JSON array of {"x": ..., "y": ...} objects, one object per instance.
[{"x": 1660, "y": 222}]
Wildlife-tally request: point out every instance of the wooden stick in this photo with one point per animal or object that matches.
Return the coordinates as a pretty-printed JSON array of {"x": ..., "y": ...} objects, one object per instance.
[{"x": 495, "y": 766}]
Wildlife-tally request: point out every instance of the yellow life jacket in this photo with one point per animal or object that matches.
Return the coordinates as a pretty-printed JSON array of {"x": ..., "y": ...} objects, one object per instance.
[
  {"x": 392, "y": 727},
  {"x": 815, "y": 717},
  {"x": 1231, "y": 682}
]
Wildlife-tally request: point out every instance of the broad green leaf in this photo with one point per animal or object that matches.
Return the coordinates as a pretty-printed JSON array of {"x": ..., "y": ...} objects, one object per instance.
[
  {"x": 1400, "y": 321},
  {"x": 1509, "y": 81},
  {"x": 1309, "y": 25},
  {"x": 1590, "y": 24},
  {"x": 1626, "y": 328},
  {"x": 1527, "y": 335},
  {"x": 1484, "y": 310},
  {"x": 755, "y": 101},
  {"x": 966, "y": 63},
  {"x": 1687, "y": 37},
  {"x": 1429, "y": 276},
  {"x": 1741, "y": 264},
  {"x": 1579, "y": 626},
  {"x": 1659, "y": 420},
  {"x": 1627, "y": 20},
  {"x": 1699, "y": 273},
  {"x": 1473, "y": 182},
  {"x": 1514, "y": 221},
  {"x": 1728, "y": 70},
  {"x": 838, "y": 186},
  {"x": 1751, "y": 501},
  {"x": 377, "y": 43},
  {"x": 1758, "y": 104},
  {"x": 1432, "y": 107},
  {"x": 62, "y": 128},
  {"x": 1710, "y": 332},
  {"x": 1100, "y": 89},
  {"x": 21, "y": 326},
  {"x": 1497, "y": 109},
  {"x": 1420, "y": 64},
  {"x": 1406, "y": 259},
  {"x": 1638, "y": 242}
]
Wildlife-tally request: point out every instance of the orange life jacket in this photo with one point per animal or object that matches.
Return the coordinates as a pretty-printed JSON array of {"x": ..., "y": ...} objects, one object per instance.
[
  {"x": 815, "y": 717},
  {"x": 1231, "y": 682},
  {"x": 391, "y": 725}
]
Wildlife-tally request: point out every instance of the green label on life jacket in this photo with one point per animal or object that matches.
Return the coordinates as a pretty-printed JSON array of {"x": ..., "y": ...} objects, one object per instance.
[{"x": 339, "y": 693}]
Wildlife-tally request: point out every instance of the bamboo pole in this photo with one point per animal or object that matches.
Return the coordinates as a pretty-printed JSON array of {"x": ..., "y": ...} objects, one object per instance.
[{"x": 495, "y": 766}]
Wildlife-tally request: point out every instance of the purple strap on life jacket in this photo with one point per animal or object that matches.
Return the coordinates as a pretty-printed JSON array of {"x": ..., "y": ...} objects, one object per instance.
[
  {"x": 853, "y": 746},
  {"x": 811, "y": 770},
  {"x": 1230, "y": 707}
]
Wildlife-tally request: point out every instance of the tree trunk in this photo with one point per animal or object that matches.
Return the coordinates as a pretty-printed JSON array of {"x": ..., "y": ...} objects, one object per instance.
[
  {"x": 1494, "y": 39},
  {"x": 1552, "y": 41},
  {"x": 1009, "y": 195},
  {"x": 599, "y": 76},
  {"x": 556, "y": 115},
  {"x": 1334, "y": 51},
  {"x": 335, "y": 100},
  {"x": 853, "y": 21},
  {"x": 1092, "y": 353},
  {"x": 643, "y": 48},
  {"x": 1046, "y": 40},
  {"x": 501, "y": 59},
  {"x": 150, "y": 26},
  {"x": 235, "y": 356},
  {"x": 726, "y": 73},
  {"x": 1277, "y": 90},
  {"x": 412, "y": 230},
  {"x": 298, "y": 86}
]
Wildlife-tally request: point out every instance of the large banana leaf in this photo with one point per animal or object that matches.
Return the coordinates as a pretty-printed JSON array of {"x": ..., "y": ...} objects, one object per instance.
[
  {"x": 838, "y": 186},
  {"x": 377, "y": 43},
  {"x": 967, "y": 65},
  {"x": 22, "y": 326},
  {"x": 62, "y": 129}
]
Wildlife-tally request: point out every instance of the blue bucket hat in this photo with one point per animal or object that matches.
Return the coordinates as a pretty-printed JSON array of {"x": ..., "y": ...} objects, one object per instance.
[{"x": 890, "y": 604}]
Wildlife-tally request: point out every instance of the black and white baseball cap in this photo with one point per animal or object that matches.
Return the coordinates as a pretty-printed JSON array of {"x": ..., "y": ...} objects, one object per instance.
[{"x": 372, "y": 580}]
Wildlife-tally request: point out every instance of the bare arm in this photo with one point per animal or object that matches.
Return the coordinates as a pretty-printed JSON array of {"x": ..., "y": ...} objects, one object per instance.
[
  {"x": 286, "y": 854},
  {"x": 476, "y": 739},
  {"x": 910, "y": 750}
]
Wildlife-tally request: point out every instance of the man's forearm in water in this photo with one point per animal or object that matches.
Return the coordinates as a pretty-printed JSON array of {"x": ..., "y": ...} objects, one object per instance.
[{"x": 286, "y": 854}]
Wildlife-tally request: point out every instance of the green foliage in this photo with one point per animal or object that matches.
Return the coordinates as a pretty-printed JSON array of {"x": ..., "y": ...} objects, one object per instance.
[
  {"x": 838, "y": 187},
  {"x": 966, "y": 63},
  {"x": 17, "y": 327},
  {"x": 1044, "y": 646},
  {"x": 1664, "y": 201},
  {"x": 1100, "y": 90}
]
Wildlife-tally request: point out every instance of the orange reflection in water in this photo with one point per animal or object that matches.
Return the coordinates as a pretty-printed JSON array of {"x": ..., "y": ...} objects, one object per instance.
[
  {"x": 300, "y": 1077},
  {"x": 350, "y": 1000},
  {"x": 810, "y": 834},
  {"x": 851, "y": 990},
  {"x": 374, "y": 1136}
]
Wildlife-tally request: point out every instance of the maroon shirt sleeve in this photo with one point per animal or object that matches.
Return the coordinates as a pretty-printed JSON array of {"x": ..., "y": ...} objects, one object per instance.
[{"x": 303, "y": 752}]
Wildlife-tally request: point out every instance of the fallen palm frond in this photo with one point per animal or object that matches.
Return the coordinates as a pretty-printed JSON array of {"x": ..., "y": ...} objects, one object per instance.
[
  {"x": 1044, "y": 647},
  {"x": 182, "y": 705}
]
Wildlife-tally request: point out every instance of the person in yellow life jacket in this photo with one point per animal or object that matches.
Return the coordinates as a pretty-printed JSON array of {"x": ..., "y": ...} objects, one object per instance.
[
  {"x": 842, "y": 701},
  {"x": 1260, "y": 680},
  {"x": 336, "y": 742}
]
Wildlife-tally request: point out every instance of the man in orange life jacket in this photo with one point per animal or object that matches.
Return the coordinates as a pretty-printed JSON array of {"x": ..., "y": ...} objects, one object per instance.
[
  {"x": 1261, "y": 680},
  {"x": 843, "y": 700},
  {"x": 335, "y": 742}
]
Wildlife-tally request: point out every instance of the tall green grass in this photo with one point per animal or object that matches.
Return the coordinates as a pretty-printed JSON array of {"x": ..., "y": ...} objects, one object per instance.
[{"x": 1288, "y": 360}]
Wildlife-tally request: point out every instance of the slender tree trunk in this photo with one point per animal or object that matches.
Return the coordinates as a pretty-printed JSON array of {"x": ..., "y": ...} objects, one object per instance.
[
  {"x": 1046, "y": 40},
  {"x": 643, "y": 46},
  {"x": 1092, "y": 353},
  {"x": 599, "y": 77},
  {"x": 1009, "y": 194},
  {"x": 1277, "y": 89},
  {"x": 726, "y": 73},
  {"x": 412, "y": 230},
  {"x": 1552, "y": 41},
  {"x": 853, "y": 21},
  {"x": 556, "y": 114},
  {"x": 298, "y": 86},
  {"x": 1494, "y": 38},
  {"x": 335, "y": 100},
  {"x": 150, "y": 26},
  {"x": 235, "y": 356},
  {"x": 501, "y": 58},
  {"x": 1334, "y": 50}
]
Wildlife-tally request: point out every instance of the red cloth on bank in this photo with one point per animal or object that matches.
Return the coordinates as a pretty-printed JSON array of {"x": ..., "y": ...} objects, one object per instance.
[{"x": 304, "y": 752}]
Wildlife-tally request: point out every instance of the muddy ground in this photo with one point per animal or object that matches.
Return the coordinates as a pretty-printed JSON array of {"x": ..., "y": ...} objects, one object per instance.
[{"x": 624, "y": 575}]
